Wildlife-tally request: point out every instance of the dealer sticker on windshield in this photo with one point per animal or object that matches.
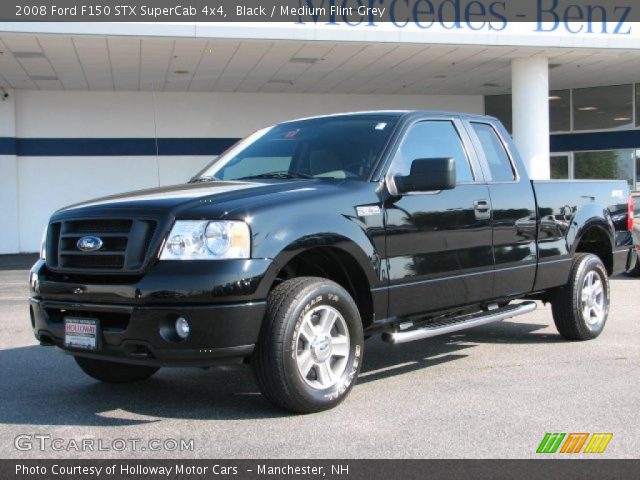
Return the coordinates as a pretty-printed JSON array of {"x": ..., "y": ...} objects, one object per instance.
[{"x": 81, "y": 333}]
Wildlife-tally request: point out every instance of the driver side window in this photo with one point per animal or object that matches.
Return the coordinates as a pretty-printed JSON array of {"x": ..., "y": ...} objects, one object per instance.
[{"x": 432, "y": 139}]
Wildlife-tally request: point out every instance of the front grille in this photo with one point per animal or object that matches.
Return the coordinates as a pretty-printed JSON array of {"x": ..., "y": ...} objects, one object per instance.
[
  {"x": 125, "y": 245},
  {"x": 92, "y": 261},
  {"x": 98, "y": 226}
]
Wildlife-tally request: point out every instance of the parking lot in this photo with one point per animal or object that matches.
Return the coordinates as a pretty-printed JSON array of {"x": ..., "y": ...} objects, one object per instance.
[{"x": 489, "y": 392}]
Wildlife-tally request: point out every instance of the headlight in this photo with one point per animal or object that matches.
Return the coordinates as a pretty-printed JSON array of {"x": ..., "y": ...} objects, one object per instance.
[
  {"x": 204, "y": 240},
  {"x": 43, "y": 244}
]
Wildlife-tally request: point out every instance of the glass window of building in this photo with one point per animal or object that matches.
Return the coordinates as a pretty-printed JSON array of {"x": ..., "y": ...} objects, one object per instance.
[
  {"x": 605, "y": 165},
  {"x": 559, "y": 167},
  {"x": 560, "y": 110},
  {"x": 601, "y": 108},
  {"x": 499, "y": 106},
  {"x": 637, "y": 104}
]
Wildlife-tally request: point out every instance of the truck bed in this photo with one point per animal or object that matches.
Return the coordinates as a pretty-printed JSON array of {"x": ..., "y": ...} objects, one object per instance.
[{"x": 568, "y": 207}]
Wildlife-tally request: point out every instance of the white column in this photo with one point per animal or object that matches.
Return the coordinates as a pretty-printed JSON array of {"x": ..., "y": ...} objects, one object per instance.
[
  {"x": 9, "y": 242},
  {"x": 530, "y": 99}
]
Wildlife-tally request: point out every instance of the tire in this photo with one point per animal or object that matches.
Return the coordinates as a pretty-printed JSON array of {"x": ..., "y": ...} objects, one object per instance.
[
  {"x": 295, "y": 339},
  {"x": 580, "y": 308},
  {"x": 114, "y": 372}
]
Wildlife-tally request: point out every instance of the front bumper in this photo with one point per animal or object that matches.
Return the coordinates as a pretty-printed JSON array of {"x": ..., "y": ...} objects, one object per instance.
[
  {"x": 135, "y": 328},
  {"x": 135, "y": 334}
]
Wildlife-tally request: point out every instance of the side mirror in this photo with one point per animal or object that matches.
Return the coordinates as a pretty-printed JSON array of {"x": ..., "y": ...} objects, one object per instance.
[{"x": 427, "y": 175}]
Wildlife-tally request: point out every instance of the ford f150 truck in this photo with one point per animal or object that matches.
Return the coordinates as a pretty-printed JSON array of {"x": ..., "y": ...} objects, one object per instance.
[{"x": 309, "y": 236}]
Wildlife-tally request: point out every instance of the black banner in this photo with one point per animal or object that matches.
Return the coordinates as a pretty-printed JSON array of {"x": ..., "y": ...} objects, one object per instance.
[
  {"x": 492, "y": 15},
  {"x": 317, "y": 469}
]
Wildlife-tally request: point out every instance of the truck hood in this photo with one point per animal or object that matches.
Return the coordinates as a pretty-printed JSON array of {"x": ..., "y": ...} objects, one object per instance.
[{"x": 177, "y": 197}]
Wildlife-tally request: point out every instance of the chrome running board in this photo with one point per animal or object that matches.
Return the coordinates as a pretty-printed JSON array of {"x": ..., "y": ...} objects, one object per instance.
[{"x": 449, "y": 325}]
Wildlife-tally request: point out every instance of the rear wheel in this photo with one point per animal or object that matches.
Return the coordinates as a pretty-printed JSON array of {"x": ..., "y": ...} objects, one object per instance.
[
  {"x": 114, "y": 372},
  {"x": 580, "y": 308},
  {"x": 310, "y": 348}
]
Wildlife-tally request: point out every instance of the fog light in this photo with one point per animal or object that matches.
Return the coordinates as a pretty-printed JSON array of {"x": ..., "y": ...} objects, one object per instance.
[{"x": 182, "y": 327}]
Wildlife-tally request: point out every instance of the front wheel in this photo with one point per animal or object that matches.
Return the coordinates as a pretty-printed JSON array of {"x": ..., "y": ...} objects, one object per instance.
[
  {"x": 311, "y": 345},
  {"x": 114, "y": 372},
  {"x": 580, "y": 308}
]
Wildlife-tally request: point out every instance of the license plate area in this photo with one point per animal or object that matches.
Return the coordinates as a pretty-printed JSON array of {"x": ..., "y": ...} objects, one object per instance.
[{"x": 82, "y": 333}]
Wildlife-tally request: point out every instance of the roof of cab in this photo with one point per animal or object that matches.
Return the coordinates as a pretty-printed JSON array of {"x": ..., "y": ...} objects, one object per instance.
[{"x": 396, "y": 113}]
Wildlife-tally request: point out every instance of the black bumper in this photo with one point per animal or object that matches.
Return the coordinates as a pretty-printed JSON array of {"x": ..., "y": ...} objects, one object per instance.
[{"x": 137, "y": 329}]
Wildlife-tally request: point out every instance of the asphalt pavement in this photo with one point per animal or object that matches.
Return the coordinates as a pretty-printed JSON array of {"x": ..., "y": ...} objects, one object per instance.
[{"x": 489, "y": 392}]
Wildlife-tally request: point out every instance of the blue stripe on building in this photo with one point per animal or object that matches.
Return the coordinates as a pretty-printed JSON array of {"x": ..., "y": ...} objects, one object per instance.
[
  {"x": 575, "y": 142},
  {"x": 7, "y": 146},
  {"x": 75, "y": 147}
]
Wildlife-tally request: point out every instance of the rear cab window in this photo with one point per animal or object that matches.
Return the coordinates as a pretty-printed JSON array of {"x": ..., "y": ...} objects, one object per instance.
[{"x": 495, "y": 153}]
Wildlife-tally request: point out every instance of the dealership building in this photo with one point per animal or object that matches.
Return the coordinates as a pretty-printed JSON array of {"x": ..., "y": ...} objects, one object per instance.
[{"x": 92, "y": 109}]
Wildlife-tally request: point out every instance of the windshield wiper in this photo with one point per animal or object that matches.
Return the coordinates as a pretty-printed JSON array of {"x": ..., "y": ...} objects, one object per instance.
[
  {"x": 209, "y": 178},
  {"x": 277, "y": 175}
]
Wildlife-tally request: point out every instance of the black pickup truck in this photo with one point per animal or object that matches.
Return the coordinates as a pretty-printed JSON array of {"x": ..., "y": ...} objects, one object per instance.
[{"x": 309, "y": 236}]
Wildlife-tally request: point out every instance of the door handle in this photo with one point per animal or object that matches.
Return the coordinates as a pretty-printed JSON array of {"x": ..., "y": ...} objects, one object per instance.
[
  {"x": 481, "y": 205},
  {"x": 482, "y": 209}
]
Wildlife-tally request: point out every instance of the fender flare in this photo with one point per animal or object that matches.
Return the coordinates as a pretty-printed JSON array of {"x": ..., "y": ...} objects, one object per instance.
[
  {"x": 369, "y": 263},
  {"x": 586, "y": 219}
]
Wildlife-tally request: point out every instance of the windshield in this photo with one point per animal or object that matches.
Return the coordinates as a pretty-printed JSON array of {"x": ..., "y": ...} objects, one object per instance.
[{"x": 340, "y": 147}]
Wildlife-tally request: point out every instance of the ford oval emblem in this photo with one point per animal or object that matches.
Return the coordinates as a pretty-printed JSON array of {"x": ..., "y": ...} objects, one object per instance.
[{"x": 89, "y": 244}]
